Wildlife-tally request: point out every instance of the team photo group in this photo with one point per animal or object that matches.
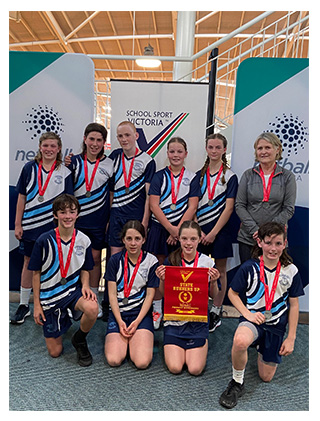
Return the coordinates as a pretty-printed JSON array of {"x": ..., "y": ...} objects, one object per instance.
[{"x": 146, "y": 219}]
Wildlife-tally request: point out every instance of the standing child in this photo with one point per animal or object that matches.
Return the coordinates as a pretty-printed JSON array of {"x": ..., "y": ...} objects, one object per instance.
[
  {"x": 272, "y": 285},
  {"x": 40, "y": 182},
  {"x": 60, "y": 262},
  {"x": 131, "y": 284},
  {"x": 218, "y": 192},
  {"x": 174, "y": 195},
  {"x": 91, "y": 171},
  {"x": 133, "y": 172},
  {"x": 187, "y": 342}
]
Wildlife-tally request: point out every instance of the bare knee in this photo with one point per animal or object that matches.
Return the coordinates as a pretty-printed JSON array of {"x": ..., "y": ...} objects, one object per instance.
[
  {"x": 92, "y": 310},
  {"x": 54, "y": 350},
  {"x": 142, "y": 364},
  {"x": 240, "y": 342},
  {"x": 195, "y": 370},
  {"x": 113, "y": 360},
  {"x": 174, "y": 367}
]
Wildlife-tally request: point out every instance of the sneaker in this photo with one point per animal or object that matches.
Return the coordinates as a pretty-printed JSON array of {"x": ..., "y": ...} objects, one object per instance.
[
  {"x": 214, "y": 320},
  {"x": 22, "y": 312},
  {"x": 157, "y": 317},
  {"x": 83, "y": 353},
  {"x": 100, "y": 313},
  {"x": 229, "y": 397}
]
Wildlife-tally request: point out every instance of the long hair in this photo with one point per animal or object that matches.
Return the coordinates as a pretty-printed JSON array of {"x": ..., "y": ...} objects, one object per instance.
[
  {"x": 94, "y": 127},
  {"x": 223, "y": 158},
  {"x": 133, "y": 224},
  {"x": 50, "y": 135},
  {"x": 267, "y": 230},
  {"x": 175, "y": 257}
]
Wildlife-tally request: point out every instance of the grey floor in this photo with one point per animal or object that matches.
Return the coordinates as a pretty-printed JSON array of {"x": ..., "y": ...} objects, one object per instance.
[{"x": 41, "y": 383}]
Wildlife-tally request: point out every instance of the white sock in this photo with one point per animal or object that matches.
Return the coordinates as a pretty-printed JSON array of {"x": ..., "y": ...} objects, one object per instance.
[
  {"x": 25, "y": 295},
  {"x": 157, "y": 306},
  {"x": 238, "y": 375},
  {"x": 215, "y": 309}
]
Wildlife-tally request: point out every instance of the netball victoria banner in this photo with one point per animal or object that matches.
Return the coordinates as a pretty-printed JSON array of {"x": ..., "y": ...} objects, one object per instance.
[
  {"x": 272, "y": 95},
  {"x": 159, "y": 111},
  {"x": 48, "y": 92}
]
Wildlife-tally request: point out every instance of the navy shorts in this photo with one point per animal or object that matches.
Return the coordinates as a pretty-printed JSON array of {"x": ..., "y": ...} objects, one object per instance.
[
  {"x": 57, "y": 319},
  {"x": 97, "y": 237},
  {"x": 157, "y": 240},
  {"x": 114, "y": 231},
  {"x": 221, "y": 248},
  {"x": 26, "y": 247},
  {"x": 185, "y": 343},
  {"x": 267, "y": 343},
  {"x": 113, "y": 327}
]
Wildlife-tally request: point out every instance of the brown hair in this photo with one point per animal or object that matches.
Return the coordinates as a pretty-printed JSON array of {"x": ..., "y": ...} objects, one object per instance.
[
  {"x": 50, "y": 135},
  {"x": 223, "y": 158},
  {"x": 177, "y": 139},
  {"x": 63, "y": 202},
  {"x": 175, "y": 257},
  {"x": 267, "y": 230},
  {"x": 94, "y": 127},
  {"x": 133, "y": 224}
]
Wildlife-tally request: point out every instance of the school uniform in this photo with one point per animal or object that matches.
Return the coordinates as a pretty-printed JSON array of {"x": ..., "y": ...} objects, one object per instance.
[
  {"x": 161, "y": 186},
  {"x": 208, "y": 216},
  {"x": 186, "y": 334},
  {"x": 247, "y": 281},
  {"x": 128, "y": 205},
  {"x": 56, "y": 297},
  {"x": 37, "y": 216},
  {"x": 95, "y": 210},
  {"x": 145, "y": 278}
]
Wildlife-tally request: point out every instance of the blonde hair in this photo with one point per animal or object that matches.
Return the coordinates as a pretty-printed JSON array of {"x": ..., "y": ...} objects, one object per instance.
[
  {"x": 50, "y": 135},
  {"x": 273, "y": 140}
]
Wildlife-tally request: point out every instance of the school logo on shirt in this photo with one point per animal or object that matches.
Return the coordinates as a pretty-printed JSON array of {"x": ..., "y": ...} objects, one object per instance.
[
  {"x": 284, "y": 280},
  {"x": 58, "y": 179},
  {"x": 144, "y": 273},
  {"x": 79, "y": 250},
  {"x": 138, "y": 166},
  {"x": 186, "y": 181}
]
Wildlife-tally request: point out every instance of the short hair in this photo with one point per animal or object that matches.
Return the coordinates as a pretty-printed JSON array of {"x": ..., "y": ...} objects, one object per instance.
[
  {"x": 267, "y": 230},
  {"x": 271, "y": 138},
  {"x": 127, "y": 123},
  {"x": 65, "y": 201},
  {"x": 133, "y": 224}
]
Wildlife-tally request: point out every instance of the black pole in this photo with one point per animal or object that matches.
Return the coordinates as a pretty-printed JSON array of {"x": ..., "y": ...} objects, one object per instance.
[{"x": 212, "y": 91}]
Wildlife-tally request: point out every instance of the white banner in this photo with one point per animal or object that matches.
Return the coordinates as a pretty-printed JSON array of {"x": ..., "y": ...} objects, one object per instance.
[{"x": 160, "y": 110}]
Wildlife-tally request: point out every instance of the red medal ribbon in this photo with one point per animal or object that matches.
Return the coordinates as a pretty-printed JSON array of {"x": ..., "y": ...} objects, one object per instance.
[
  {"x": 195, "y": 263},
  {"x": 127, "y": 179},
  {"x": 211, "y": 193},
  {"x": 269, "y": 297},
  {"x": 266, "y": 190},
  {"x": 127, "y": 288},
  {"x": 90, "y": 182},
  {"x": 44, "y": 188},
  {"x": 174, "y": 195},
  {"x": 64, "y": 269}
]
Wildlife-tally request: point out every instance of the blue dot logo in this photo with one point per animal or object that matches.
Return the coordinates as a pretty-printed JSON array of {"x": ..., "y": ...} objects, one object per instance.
[
  {"x": 43, "y": 119},
  {"x": 291, "y": 131}
]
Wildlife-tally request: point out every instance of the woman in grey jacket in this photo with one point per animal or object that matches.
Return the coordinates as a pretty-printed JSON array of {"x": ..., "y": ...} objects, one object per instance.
[{"x": 266, "y": 193}]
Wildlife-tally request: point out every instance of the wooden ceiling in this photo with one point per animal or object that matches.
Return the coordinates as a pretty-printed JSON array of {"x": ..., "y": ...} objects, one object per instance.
[{"x": 126, "y": 33}]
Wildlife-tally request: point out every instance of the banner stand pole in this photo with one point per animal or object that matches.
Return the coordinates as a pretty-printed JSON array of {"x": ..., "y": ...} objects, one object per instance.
[{"x": 211, "y": 91}]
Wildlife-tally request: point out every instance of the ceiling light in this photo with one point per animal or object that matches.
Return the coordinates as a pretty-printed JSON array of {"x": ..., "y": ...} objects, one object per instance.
[{"x": 148, "y": 61}]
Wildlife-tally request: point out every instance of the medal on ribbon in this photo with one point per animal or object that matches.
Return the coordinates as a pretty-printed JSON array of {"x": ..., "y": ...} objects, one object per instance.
[
  {"x": 127, "y": 179},
  {"x": 269, "y": 296},
  {"x": 174, "y": 194},
  {"x": 44, "y": 188},
  {"x": 266, "y": 189},
  {"x": 86, "y": 176},
  {"x": 212, "y": 191},
  {"x": 64, "y": 268},
  {"x": 127, "y": 288}
]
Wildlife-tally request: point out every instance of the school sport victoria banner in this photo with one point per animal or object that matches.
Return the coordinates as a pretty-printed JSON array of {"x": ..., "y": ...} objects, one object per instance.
[
  {"x": 186, "y": 294},
  {"x": 161, "y": 110},
  {"x": 272, "y": 95},
  {"x": 48, "y": 92}
]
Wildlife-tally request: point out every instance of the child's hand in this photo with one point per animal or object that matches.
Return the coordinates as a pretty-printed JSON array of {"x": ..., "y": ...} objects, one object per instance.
[
  {"x": 38, "y": 314},
  {"x": 67, "y": 159},
  {"x": 287, "y": 347},
  {"x": 257, "y": 318},
  {"x": 214, "y": 274},
  {"x": 161, "y": 272},
  {"x": 88, "y": 294}
]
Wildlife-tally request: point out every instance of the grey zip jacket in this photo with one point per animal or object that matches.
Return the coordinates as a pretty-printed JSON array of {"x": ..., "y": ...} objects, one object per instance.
[{"x": 251, "y": 209}]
